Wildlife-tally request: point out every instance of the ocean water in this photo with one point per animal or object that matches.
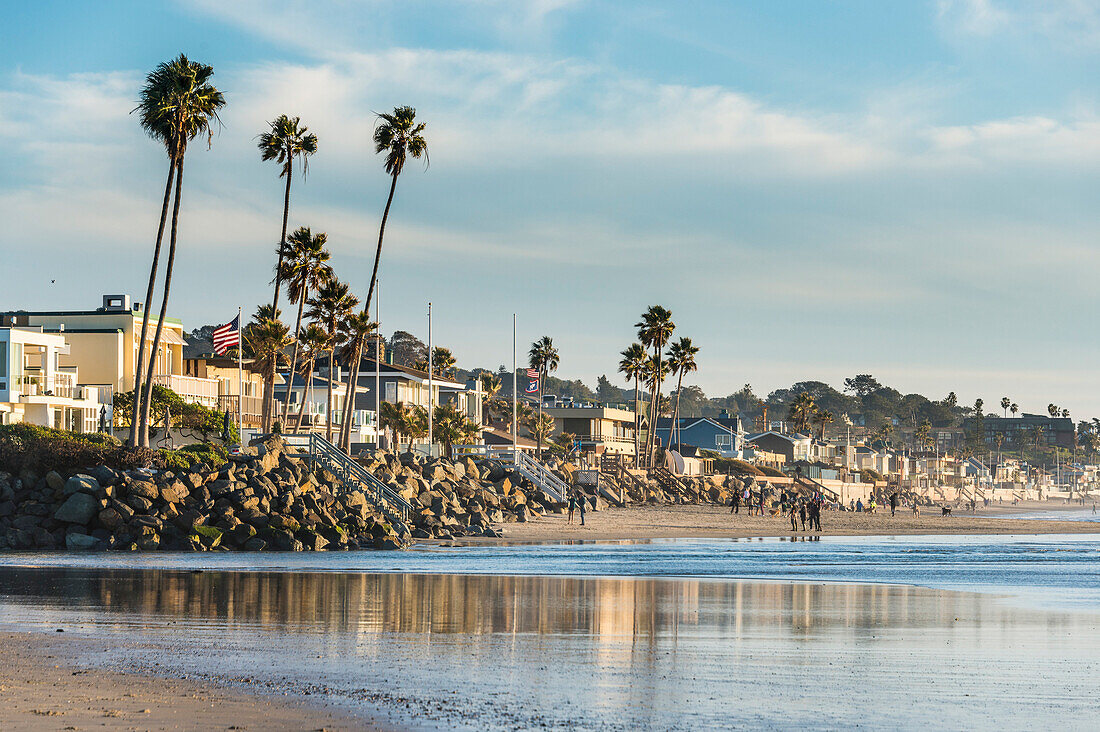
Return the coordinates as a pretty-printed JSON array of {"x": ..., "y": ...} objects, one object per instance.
[{"x": 878, "y": 633}]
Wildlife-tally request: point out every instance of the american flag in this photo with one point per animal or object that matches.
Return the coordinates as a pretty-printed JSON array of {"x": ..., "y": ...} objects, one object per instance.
[
  {"x": 532, "y": 381},
  {"x": 227, "y": 336}
]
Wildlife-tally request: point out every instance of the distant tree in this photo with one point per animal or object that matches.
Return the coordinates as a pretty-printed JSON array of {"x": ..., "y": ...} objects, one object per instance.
[
  {"x": 406, "y": 348},
  {"x": 923, "y": 433},
  {"x": 1052, "y": 410},
  {"x": 633, "y": 366},
  {"x": 606, "y": 392},
  {"x": 822, "y": 418},
  {"x": 1014, "y": 408},
  {"x": 1005, "y": 404},
  {"x": 861, "y": 385}
]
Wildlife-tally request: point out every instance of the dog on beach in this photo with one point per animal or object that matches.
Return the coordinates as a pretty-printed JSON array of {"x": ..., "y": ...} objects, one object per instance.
[{"x": 946, "y": 511}]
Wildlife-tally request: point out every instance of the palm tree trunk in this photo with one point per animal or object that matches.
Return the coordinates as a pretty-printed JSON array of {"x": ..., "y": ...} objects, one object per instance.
[
  {"x": 148, "y": 395},
  {"x": 378, "y": 252},
  {"x": 637, "y": 421},
  {"x": 328, "y": 405},
  {"x": 676, "y": 411},
  {"x": 349, "y": 397},
  {"x": 307, "y": 393},
  {"x": 282, "y": 237},
  {"x": 136, "y": 416},
  {"x": 294, "y": 358}
]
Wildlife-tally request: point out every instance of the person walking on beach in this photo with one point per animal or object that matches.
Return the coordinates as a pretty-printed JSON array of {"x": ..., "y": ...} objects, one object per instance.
[
  {"x": 893, "y": 503},
  {"x": 761, "y": 501},
  {"x": 815, "y": 515},
  {"x": 859, "y": 505},
  {"x": 802, "y": 514},
  {"x": 735, "y": 502},
  {"x": 572, "y": 506},
  {"x": 791, "y": 513},
  {"x": 580, "y": 504}
]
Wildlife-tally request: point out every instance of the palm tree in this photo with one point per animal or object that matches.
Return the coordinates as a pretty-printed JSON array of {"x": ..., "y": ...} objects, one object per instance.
[
  {"x": 304, "y": 267},
  {"x": 267, "y": 339},
  {"x": 358, "y": 328},
  {"x": 400, "y": 137},
  {"x": 287, "y": 139},
  {"x": 801, "y": 411},
  {"x": 923, "y": 433},
  {"x": 177, "y": 104},
  {"x": 391, "y": 416},
  {"x": 681, "y": 360},
  {"x": 1052, "y": 410},
  {"x": 655, "y": 371},
  {"x": 414, "y": 423},
  {"x": 443, "y": 362},
  {"x": 543, "y": 357},
  {"x": 1014, "y": 408},
  {"x": 1005, "y": 404},
  {"x": 314, "y": 341},
  {"x": 822, "y": 418},
  {"x": 332, "y": 304},
  {"x": 448, "y": 427},
  {"x": 654, "y": 331},
  {"x": 1065, "y": 414},
  {"x": 633, "y": 366}
]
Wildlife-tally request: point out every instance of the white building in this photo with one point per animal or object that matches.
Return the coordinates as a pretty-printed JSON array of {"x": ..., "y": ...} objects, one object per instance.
[{"x": 36, "y": 389}]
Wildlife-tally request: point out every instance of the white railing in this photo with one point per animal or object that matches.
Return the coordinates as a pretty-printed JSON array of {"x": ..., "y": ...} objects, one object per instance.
[{"x": 192, "y": 388}]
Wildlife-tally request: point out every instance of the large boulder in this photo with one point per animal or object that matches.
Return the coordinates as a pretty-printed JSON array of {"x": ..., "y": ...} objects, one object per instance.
[
  {"x": 55, "y": 481},
  {"x": 81, "y": 484},
  {"x": 80, "y": 542},
  {"x": 146, "y": 489},
  {"x": 79, "y": 508}
]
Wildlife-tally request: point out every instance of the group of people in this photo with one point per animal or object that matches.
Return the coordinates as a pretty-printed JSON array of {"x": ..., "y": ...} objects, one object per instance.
[
  {"x": 806, "y": 510},
  {"x": 803, "y": 509},
  {"x": 577, "y": 503}
]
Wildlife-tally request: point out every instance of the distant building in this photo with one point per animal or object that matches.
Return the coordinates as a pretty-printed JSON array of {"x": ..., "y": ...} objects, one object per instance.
[
  {"x": 1015, "y": 432},
  {"x": 723, "y": 435},
  {"x": 36, "y": 389},
  {"x": 598, "y": 428}
]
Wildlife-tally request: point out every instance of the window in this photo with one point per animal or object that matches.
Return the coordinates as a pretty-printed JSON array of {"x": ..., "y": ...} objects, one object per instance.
[
  {"x": 721, "y": 440},
  {"x": 3, "y": 360}
]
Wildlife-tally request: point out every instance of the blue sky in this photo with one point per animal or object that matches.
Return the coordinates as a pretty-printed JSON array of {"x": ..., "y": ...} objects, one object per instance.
[{"x": 814, "y": 189}]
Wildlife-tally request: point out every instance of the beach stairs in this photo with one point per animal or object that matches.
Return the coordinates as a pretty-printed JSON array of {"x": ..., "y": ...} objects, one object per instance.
[
  {"x": 540, "y": 476},
  {"x": 322, "y": 454},
  {"x": 669, "y": 483},
  {"x": 808, "y": 486},
  {"x": 614, "y": 468}
]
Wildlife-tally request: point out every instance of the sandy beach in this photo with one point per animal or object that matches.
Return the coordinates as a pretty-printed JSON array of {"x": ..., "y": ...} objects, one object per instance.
[
  {"x": 706, "y": 521},
  {"x": 41, "y": 691}
]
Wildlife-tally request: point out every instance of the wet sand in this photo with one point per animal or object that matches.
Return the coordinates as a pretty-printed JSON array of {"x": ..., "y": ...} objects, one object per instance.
[
  {"x": 42, "y": 691},
  {"x": 708, "y": 522}
]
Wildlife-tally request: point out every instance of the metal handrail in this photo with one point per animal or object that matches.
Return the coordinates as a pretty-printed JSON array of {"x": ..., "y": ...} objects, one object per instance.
[
  {"x": 344, "y": 468},
  {"x": 540, "y": 475}
]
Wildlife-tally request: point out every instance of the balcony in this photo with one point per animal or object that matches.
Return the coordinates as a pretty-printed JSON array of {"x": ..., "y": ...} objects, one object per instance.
[
  {"x": 191, "y": 388},
  {"x": 61, "y": 384},
  {"x": 251, "y": 406}
]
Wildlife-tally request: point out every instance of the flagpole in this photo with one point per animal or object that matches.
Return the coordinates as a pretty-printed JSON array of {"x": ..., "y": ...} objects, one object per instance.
[
  {"x": 515, "y": 388},
  {"x": 430, "y": 380},
  {"x": 240, "y": 378}
]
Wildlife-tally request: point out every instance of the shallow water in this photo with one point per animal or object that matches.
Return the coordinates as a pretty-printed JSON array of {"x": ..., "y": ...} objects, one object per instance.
[{"x": 613, "y": 636}]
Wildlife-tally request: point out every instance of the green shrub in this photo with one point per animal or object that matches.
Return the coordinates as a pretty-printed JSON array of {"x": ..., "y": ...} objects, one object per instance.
[
  {"x": 41, "y": 449},
  {"x": 737, "y": 467}
]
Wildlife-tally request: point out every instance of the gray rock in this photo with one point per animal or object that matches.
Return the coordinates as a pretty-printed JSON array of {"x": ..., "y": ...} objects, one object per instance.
[
  {"x": 81, "y": 484},
  {"x": 144, "y": 489},
  {"x": 80, "y": 542},
  {"x": 104, "y": 475},
  {"x": 54, "y": 480},
  {"x": 79, "y": 508}
]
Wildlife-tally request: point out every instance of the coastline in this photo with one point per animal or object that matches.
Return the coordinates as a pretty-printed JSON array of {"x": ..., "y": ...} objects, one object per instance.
[
  {"x": 43, "y": 689},
  {"x": 691, "y": 521}
]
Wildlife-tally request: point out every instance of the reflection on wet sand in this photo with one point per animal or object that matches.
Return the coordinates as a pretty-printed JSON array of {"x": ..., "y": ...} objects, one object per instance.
[
  {"x": 506, "y": 652},
  {"x": 637, "y": 608}
]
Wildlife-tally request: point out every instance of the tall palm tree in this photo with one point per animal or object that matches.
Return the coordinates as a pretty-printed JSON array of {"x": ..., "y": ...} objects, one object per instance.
[
  {"x": 681, "y": 360},
  {"x": 177, "y": 104},
  {"x": 314, "y": 342},
  {"x": 286, "y": 140},
  {"x": 1014, "y": 408},
  {"x": 542, "y": 357},
  {"x": 654, "y": 331},
  {"x": 400, "y": 137},
  {"x": 391, "y": 416},
  {"x": 633, "y": 366},
  {"x": 358, "y": 329},
  {"x": 304, "y": 267},
  {"x": 655, "y": 371},
  {"x": 1005, "y": 404},
  {"x": 267, "y": 339},
  {"x": 332, "y": 304},
  {"x": 1052, "y": 410}
]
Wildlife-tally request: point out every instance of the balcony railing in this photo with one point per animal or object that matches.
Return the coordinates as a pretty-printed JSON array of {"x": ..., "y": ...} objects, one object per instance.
[
  {"x": 192, "y": 388},
  {"x": 251, "y": 406},
  {"x": 61, "y": 384}
]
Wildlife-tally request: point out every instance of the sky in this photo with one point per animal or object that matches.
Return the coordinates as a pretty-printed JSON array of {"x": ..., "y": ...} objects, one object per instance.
[{"x": 814, "y": 189}]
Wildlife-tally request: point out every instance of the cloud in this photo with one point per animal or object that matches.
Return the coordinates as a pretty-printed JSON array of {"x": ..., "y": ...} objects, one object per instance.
[{"x": 1069, "y": 24}]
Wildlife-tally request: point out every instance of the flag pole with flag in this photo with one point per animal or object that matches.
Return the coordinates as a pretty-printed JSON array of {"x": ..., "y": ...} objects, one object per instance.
[{"x": 225, "y": 337}]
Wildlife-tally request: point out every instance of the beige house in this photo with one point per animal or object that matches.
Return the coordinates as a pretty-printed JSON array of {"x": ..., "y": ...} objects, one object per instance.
[
  {"x": 35, "y": 388},
  {"x": 600, "y": 429},
  {"x": 103, "y": 345},
  {"x": 231, "y": 384}
]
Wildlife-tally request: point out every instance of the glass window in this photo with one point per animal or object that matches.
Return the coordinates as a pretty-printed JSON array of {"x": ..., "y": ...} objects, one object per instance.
[{"x": 3, "y": 359}]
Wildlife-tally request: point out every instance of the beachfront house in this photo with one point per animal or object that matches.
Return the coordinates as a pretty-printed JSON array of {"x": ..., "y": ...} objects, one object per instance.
[
  {"x": 598, "y": 428},
  {"x": 36, "y": 388},
  {"x": 723, "y": 435},
  {"x": 103, "y": 346},
  {"x": 792, "y": 447},
  {"x": 245, "y": 386}
]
